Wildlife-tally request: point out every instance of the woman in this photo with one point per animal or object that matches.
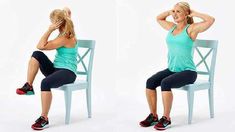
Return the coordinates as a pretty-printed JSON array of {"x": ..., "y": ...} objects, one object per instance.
[
  {"x": 61, "y": 71},
  {"x": 181, "y": 68}
]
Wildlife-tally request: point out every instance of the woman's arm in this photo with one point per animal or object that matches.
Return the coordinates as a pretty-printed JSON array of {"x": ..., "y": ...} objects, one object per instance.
[
  {"x": 161, "y": 19},
  {"x": 44, "y": 44},
  {"x": 201, "y": 26}
]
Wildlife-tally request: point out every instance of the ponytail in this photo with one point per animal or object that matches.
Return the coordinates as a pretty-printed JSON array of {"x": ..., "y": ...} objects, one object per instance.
[
  {"x": 69, "y": 28},
  {"x": 190, "y": 20}
]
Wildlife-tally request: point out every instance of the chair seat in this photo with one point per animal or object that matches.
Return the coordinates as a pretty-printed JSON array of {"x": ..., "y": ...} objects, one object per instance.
[
  {"x": 197, "y": 85},
  {"x": 78, "y": 84}
]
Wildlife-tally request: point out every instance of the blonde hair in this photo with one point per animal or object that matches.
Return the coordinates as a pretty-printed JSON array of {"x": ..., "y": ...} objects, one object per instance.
[
  {"x": 58, "y": 15},
  {"x": 67, "y": 11},
  {"x": 185, "y": 6}
]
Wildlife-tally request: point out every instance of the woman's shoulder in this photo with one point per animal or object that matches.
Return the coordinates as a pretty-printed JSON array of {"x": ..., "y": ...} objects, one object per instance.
[
  {"x": 190, "y": 31},
  {"x": 69, "y": 42},
  {"x": 172, "y": 27}
]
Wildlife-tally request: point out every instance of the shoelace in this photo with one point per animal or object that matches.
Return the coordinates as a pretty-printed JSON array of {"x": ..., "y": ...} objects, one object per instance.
[
  {"x": 25, "y": 87},
  {"x": 149, "y": 118},
  {"x": 163, "y": 121},
  {"x": 40, "y": 120}
]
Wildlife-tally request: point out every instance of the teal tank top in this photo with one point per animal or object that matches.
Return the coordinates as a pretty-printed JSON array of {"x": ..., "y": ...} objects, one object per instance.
[
  {"x": 180, "y": 51},
  {"x": 66, "y": 58}
]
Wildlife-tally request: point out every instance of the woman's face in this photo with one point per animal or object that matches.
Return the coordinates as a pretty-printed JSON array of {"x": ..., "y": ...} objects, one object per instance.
[{"x": 178, "y": 14}]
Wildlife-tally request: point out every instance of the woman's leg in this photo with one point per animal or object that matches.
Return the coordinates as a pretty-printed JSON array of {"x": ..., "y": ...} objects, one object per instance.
[
  {"x": 54, "y": 80},
  {"x": 33, "y": 67},
  {"x": 176, "y": 80},
  {"x": 46, "y": 98},
  {"x": 151, "y": 93},
  {"x": 151, "y": 96},
  {"x": 167, "y": 99},
  {"x": 38, "y": 60}
]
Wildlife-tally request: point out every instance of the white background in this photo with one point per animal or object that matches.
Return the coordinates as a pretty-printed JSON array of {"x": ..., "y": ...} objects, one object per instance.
[{"x": 130, "y": 48}]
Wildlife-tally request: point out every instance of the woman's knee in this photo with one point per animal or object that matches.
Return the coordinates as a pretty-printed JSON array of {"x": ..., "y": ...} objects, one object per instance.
[
  {"x": 166, "y": 85},
  {"x": 45, "y": 85},
  {"x": 37, "y": 54},
  {"x": 151, "y": 84}
]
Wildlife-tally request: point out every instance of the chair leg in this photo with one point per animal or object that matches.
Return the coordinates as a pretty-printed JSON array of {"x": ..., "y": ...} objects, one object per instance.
[
  {"x": 190, "y": 95},
  {"x": 68, "y": 99},
  {"x": 211, "y": 102},
  {"x": 88, "y": 98}
]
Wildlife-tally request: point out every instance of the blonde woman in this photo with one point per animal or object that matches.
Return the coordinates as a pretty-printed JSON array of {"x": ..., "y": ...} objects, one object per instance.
[
  {"x": 61, "y": 71},
  {"x": 181, "y": 68}
]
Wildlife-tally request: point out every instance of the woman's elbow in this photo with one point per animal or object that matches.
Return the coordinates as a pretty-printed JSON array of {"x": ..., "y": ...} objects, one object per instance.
[
  {"x": 212, "y": 20},
  {"x": 40, "y": 48},
  {"x": 158, "y": 18}
]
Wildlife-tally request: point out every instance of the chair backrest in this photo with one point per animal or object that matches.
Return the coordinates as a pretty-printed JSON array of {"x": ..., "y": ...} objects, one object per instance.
[
  {"x": 88, "y": 46},
  {"x": 212, "y": 46}
]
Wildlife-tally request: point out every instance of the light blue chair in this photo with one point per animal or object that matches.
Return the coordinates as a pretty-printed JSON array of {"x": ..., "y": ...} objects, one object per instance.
[
  {"x": 203, "y": 84},
  {"x": 89, "y": 46}
]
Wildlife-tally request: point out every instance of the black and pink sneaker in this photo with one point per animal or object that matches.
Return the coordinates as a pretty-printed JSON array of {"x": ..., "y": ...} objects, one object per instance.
[
  {"x": 40, "y": 124},
  {"x": 25, "y": 90},
  {"x": 149, "y": 121},
  {"x": 163, "y": 124}
]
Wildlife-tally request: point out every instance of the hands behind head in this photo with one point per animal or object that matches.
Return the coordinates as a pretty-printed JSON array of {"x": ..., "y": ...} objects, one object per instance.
[
  {"x": 192, "y": 13},
  {"x": 55, "y": 25}
]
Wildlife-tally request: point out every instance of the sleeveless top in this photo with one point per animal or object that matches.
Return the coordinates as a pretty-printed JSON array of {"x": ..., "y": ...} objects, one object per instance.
[
  {"x": 66, "y": 58},
  {"x": 180, "y": 51}
]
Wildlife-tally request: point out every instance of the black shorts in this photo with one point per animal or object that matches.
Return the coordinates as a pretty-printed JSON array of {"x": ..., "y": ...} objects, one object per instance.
[
  {"x": 54, "y": 77},
  {"x": 168, "y": 79}
]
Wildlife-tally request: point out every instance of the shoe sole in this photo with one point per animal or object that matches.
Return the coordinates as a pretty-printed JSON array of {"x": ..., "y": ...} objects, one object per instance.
[
  {"x": 30, "y": 93},
  {"x": 22, "y": 93},
  {"x": 40, "y": 128},
  {"x": 152, "y": 124},
  {"x": 162, "y": 129}
]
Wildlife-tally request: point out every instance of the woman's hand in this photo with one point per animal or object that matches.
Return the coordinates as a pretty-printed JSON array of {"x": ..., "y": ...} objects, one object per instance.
[
  {"x": 192, "y": 13},
  {"x": 55, "y": 25}
]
